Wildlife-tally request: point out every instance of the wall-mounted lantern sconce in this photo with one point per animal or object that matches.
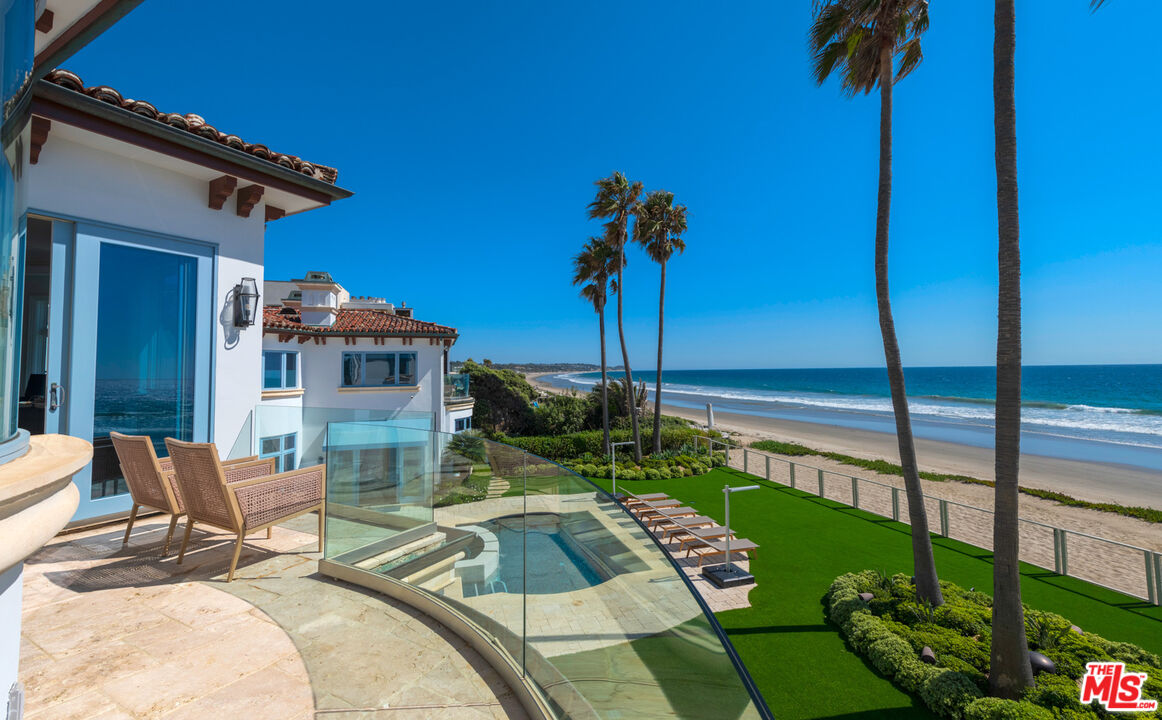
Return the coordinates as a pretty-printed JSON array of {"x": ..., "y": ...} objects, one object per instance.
[{"x": 245, "y": 302}]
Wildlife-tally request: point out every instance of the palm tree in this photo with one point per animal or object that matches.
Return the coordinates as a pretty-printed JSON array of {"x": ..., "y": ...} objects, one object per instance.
[
  {"x": 592, "y": 269},
  {"x": 658, "y": 227},
  {"x": 1009, "y": 669},
  {"x": 863, "y": 40},
  {"x": 615, "y": 199}
]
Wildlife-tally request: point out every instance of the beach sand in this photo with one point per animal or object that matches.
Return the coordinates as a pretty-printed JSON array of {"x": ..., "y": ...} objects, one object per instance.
[{"x": 1089, "y": 481}]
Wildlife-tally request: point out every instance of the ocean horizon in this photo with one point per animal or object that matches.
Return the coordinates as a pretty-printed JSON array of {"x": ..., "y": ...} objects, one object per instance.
[{"x": 1102, "y": 413}]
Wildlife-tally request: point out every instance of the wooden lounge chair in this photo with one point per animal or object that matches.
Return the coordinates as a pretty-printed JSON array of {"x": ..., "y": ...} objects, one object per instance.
[
  {"x": 648, "y": 507},
  {"x": 634, "y": 500},
  {"x": 678, "y": 526},
  {"x": 710, "y": 548},
  {"x": 694, "y": 535},
  {"x": 151, "y": 481},
  {"x": 245, "y": 497},
  {"x": 666, "y": 514}
]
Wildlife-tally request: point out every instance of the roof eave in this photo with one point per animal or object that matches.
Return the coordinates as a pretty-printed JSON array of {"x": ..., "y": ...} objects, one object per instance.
[{"x": 125, "y": 118}]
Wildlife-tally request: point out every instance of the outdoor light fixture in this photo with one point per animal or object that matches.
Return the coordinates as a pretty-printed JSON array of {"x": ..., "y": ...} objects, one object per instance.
[
  {"x": 728, "y": 574},
  {"x": 245, "y": 302}
]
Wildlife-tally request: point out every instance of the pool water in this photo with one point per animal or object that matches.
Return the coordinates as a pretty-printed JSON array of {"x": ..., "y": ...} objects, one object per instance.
[{"x": 554, "y": 565}]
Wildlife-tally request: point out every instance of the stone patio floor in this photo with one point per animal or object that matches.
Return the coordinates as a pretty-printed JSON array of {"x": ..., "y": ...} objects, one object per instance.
[{"x": 114, "y": 632}]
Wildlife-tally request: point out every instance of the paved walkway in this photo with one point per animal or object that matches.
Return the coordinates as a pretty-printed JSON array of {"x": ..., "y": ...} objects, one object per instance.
[{"x": 112, "y": 632}]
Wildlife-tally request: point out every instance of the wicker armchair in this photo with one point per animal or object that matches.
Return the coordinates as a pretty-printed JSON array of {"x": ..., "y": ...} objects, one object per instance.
[
  {"x": 151, "y": 481},
  {"x": 244, "y": 497}
]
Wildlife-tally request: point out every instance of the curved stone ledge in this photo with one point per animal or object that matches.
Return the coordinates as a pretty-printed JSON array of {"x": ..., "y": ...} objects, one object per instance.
[{"x": 37, "y": 496}]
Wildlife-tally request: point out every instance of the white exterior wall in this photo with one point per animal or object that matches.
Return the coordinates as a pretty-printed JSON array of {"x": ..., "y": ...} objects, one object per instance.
[
  {"x": 92, "y": 182},
  {"x": 321, "y": 368}
]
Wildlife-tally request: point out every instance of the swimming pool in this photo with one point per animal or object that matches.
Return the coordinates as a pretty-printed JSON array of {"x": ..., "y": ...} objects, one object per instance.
[{"x": 557, "y": 561}]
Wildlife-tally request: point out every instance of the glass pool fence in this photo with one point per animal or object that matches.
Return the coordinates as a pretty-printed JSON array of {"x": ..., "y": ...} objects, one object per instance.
[{"x": 567, "y": 582}]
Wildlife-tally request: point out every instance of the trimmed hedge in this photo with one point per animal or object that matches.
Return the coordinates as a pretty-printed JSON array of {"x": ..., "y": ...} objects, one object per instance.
[
  {"x": 575, "y": 445},
  {"x": 893, "y": 627}
]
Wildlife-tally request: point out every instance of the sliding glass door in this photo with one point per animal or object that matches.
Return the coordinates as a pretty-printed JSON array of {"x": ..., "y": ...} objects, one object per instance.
[{"x": 141, "y": 341}]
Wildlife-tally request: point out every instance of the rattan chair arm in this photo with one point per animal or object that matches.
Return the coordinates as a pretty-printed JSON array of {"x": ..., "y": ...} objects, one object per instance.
[
  {"x": 282, "y": 476},
  {"x": 249, "y": 470},
  {"x": 265, "y": 500}
]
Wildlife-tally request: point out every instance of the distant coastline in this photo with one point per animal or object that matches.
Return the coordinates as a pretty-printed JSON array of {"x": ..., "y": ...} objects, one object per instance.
[
  {"x": 1093, "y": 481},
  {"x": 1093, "y": 469}
]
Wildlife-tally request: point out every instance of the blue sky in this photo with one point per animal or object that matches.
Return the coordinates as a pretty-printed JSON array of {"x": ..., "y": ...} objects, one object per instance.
[{"x": 471, "y": 134}]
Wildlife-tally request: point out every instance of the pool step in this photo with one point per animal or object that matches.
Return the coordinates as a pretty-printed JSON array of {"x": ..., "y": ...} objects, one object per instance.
[{"x": 420, "y": 545}]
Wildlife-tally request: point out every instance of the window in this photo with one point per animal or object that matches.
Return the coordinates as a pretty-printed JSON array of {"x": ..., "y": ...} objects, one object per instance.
[
  {"x": 376, "y": 369},
  {"x": 280, "y": 370},
  {"x": 463, "y": 424},
  {"x": 281, "y": 448}
]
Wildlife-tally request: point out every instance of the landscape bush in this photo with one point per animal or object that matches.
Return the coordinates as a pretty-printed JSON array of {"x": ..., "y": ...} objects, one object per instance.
[
  {"x": 892, "y": 628},
  {"x": 571, "y": 446}
]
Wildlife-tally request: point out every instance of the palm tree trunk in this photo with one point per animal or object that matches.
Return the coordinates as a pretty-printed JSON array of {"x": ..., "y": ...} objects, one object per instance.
[
  {"x": 637, "y": 440},
  {"x": 1009, "y": 669},
  {"x": 604, "y": 385},
  {"x": 658, "y": 384},
  {"x": 924, "y": 565}
]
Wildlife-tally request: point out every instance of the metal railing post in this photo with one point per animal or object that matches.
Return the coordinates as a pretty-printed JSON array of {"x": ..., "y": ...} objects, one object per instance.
[
  {"x": 792, "y": 475},
  {"x": 944, "y": 518},
  {"x": 821, "y": 483},
  {"x": 1151, "y": 589},
  {"x": 854, "y": 492},
  {"x": 745, "y": 460},
  {"x": 896, "y": 504},
  {"x": 1158, "y": 578},
  {"x": 1057, "y": 551},
  {"x": 768, "y": 468}
]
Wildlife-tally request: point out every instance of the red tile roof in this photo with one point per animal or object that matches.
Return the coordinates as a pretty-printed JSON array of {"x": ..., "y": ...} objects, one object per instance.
[
  {"x": 353, "y": 322},
  {"x": 193, "y": 124}
]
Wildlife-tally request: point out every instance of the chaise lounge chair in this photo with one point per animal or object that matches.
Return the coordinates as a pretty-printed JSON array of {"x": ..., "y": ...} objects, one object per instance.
[
  {"x": 151, "y": 481},
  {"x": 710, "y": 548},
  {"x": 694, "y": 535},
  {"x": 242, "y": 498},
  {"x": 679, "y": 526}
]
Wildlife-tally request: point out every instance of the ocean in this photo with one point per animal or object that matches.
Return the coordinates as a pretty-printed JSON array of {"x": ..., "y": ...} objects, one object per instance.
[{"x": 1101, "y": 413}]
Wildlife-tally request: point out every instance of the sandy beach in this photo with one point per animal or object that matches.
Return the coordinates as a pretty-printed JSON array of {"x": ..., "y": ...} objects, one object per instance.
[{"x": 1089, "y": 481}]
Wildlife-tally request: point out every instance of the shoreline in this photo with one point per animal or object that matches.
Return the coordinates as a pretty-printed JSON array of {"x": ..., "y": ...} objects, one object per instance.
[{"x": 1120, "y": 484}]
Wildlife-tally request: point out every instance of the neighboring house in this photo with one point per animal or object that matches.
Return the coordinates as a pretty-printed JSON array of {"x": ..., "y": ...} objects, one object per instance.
[
  {"x": 324, "y": 351},
  {"x": 143, "y": 260}
]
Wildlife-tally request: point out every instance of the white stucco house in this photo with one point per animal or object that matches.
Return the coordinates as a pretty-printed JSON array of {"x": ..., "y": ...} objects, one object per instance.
[
  {"x": 324, "y": 351},
  {"x": 143, "y": 255}
]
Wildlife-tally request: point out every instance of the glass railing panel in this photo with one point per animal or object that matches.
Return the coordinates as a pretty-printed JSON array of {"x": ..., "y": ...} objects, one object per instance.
[
  {"x": 565, "y": 579},
  {"x": 455, "y": 386}
]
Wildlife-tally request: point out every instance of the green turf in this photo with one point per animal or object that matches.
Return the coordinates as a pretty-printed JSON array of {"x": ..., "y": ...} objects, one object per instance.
[{"x": 797, "y": 660}]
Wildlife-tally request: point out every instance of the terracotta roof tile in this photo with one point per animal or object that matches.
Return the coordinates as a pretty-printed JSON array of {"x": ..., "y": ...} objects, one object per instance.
[
  {"x": 355, "y": 321},
  {"x": 194, "y": 124}
]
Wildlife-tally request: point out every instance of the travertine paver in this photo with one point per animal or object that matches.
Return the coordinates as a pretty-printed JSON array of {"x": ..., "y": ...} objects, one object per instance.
[{"x": 123, "y": 633}]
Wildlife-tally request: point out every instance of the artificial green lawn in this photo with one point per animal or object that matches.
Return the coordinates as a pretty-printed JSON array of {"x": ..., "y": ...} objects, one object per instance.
[{"x": 798, "y": 661}]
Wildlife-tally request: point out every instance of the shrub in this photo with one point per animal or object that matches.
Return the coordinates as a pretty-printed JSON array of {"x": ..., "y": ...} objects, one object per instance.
[
  {"x": 948, "y": 692},
  {"x": 652, "y": 474},
  {"x": 696, "y": 468},
  {"x": 997, "y": 709},
  {"x": 577, "y": 444},
  {"x": 889, "y": 652},
  {"x": 891, "y": 629},
  {"x": 913, "y": 674},
  {"x": 1054, "y": 691}
]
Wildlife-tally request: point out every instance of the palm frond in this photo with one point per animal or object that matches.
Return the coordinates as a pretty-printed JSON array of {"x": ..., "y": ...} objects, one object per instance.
[{"x": 847, "y": 36}]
